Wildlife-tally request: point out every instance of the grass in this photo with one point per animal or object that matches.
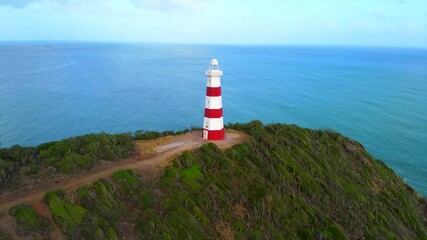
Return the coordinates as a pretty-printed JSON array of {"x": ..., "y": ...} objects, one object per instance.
[{"x": 189, "y": 176}]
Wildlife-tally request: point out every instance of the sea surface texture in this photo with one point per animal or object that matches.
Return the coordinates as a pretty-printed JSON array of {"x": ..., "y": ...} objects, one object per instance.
[{"x": 377, "y": 96}]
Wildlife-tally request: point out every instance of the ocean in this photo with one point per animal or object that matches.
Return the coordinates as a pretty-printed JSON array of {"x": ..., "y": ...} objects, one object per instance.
[{"x": 377, "y": 96}]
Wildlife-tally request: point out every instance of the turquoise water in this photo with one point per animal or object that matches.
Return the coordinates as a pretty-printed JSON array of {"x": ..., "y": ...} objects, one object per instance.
[{"x": 377, "y": 96}]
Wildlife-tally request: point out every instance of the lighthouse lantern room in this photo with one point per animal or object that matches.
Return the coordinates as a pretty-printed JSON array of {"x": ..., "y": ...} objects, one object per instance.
[{"x": 213, "y": 124}]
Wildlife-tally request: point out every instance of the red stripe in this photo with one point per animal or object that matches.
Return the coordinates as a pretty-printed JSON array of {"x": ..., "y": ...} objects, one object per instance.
[
  {"x": 213, "y": 113},
  {"x": 213, "y": 91},
  {"x": 215, "y": 134}
]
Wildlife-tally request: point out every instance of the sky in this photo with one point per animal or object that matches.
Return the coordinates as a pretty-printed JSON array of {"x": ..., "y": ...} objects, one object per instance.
[{"x": 305, "y": 22}]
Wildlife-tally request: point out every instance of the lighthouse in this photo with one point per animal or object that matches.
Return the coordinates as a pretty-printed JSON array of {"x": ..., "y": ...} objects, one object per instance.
[{"x": 213, "y": 123}]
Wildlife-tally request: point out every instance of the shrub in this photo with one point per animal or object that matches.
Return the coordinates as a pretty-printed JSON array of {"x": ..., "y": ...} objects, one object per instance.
[
  {"x": 66, "y": 156},
  {"x": 29, "y": 222}
]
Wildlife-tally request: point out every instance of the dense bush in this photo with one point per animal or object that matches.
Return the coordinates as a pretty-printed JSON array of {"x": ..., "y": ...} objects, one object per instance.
[
  {"x": 29, "y": 223},
  {"x": 148, "y": 135},
  {"x": 102, "y": 198},
  {"x": 78, "y": 222},
  {"x": 66, "y": 156},
  {"x": 285, "y": 182},
  {"x": 14, "y": 160},
  {"x": 4, "y": 236},
  {"x": 69, "y": 155},
  {"x": 86, "y": 151}
]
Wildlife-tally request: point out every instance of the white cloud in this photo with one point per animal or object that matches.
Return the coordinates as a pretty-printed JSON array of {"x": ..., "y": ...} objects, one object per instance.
[
  {"x": 160, "y": 5},
  {"x": 329, "y": 25},
  {"x": 16, "y": 3},
  {"x": 414, "y": 27},
  {"x": 165, "y": 5}
]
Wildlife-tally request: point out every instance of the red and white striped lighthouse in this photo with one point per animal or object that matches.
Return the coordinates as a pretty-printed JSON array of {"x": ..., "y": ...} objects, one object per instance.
[{"x": 213, "y": 123}]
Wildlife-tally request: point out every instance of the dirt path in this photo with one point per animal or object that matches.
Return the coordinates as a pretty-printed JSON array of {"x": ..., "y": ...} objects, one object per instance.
[{"x": 153, "y": 155}]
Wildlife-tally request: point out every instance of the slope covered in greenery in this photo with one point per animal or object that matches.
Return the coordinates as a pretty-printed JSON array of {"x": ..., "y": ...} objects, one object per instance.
[
  {"x": 67, "y": 156},
  {"x": 30, "y": 223},
  {"x": 64, "y": 157},
  {"x": 285, "y": 182}
]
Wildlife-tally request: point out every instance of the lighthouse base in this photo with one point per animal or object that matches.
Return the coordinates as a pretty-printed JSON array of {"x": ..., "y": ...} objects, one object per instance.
[{"x": 213, "y": 135}]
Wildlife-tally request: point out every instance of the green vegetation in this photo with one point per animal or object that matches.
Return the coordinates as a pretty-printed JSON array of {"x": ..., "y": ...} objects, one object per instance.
[
  {"x": 69, "y": 155},
  {"x": 148, "y": 135},
  {"x": 29, "y": 222},
  {"x": 4, "y": 236},
  {"x": 285, "y": 182},
  {"x": 66, "y": 156},
  {"x": 78, "y": 222}
]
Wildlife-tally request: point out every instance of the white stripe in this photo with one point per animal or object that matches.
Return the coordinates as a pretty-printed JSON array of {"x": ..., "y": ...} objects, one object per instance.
[
  {"x": 214, "y": 82},
  {"x": 213, "y": 123},
  {"x": 213, "y": 102},
  {"x": 214, "y": 73}
]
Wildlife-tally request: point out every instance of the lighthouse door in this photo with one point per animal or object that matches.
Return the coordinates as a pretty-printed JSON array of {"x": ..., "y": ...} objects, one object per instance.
[{"x": 205, "y": 134}]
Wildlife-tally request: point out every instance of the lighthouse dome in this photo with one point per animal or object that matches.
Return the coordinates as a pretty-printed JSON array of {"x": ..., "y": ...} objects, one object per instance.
[{"x": 214, "y": 70}]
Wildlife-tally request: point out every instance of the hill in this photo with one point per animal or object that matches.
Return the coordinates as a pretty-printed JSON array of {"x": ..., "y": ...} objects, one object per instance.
[{"x": 285, "y": 182}]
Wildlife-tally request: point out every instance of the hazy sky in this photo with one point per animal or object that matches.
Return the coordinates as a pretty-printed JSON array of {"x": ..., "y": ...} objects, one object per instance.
[{"x": 346, "y": 22}]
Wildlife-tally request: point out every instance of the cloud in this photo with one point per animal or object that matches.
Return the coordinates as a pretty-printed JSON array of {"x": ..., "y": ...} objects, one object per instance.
[
  {"x": 16, "y": 3},
  {"x": 380, "y": 15},
  {"x": 414, "y": 27},
  {"x": 164, "y": 5},
  {"x": 385, "y": 17},
  {"x": 159, "y": 5},
  {"x": 328, "y": 25}
]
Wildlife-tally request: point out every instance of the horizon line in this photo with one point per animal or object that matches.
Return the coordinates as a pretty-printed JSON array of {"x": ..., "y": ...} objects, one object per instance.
[{"x": 218, "y": 44}]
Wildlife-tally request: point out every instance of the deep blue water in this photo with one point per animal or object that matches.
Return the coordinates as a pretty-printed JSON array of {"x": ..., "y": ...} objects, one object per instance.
[{"x": 377, "y": 96}]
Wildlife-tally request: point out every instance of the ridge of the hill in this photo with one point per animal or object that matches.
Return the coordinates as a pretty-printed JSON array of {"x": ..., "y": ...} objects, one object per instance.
[{"x": 285, "y": 182}]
